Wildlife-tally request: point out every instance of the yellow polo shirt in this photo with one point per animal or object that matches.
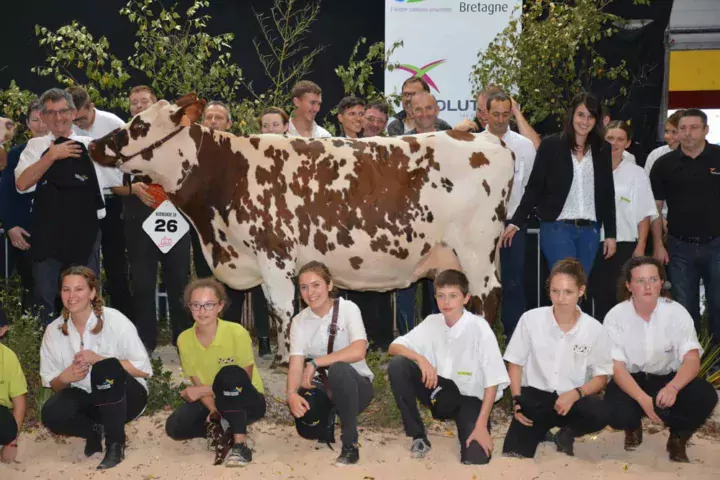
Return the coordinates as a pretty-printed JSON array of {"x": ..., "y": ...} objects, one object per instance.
[
  {"x": 12, "y": 380},
  {"x": 231, "y": 346}
]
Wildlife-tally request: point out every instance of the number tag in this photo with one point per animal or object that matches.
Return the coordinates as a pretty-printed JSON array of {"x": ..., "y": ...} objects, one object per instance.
[{"x": 166, "y": 226}]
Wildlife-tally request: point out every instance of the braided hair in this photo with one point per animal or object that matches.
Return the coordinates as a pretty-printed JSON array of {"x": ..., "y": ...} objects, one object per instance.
[{"x": 97, "y": 302}]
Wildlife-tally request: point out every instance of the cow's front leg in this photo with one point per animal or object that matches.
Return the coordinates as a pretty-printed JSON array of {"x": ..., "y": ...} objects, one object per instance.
[{"x": 279, "y": 290}]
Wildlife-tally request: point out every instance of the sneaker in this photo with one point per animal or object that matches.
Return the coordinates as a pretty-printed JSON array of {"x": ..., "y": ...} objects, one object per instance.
[
  {"x": 420, "y": 447},
  {"x": 565, "y": 440},
  {"x": 350, "y": 455},
  {"x": 239, "y": 456}
]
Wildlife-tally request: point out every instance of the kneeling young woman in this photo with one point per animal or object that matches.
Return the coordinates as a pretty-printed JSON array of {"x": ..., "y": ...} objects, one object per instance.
[
  {"x": 558, "y": 360},
  {"x": 656, "y": 361},
  {"x": 218, "y": 357},
  {"x": 93, "y": 359},
  {"x": 330, "y": 333}
]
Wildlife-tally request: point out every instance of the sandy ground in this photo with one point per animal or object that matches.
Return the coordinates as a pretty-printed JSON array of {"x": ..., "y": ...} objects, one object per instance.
[{"x": 281, "y": 454}]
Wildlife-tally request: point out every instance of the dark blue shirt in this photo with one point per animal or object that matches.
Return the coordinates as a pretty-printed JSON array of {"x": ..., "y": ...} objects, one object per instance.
[{"x": 15, "y": 207}]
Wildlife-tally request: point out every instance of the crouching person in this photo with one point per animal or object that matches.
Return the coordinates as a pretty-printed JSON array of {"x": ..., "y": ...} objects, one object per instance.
[
  {"x": 656, "y": 361},
  {"x": 330, "y": 333},
  {"x": 93, "y": 359},
  {"x": 451, "y": 362},
  {"x": 218, "y": 357},
  {"x": 558, "y": 360},
  {"x": 13, "y": 402}
]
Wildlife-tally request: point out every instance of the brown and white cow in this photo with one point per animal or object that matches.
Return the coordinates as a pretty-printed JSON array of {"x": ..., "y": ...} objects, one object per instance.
[
  {"x": 380, "y": 212},
  {"x": 7, "y": 129}
]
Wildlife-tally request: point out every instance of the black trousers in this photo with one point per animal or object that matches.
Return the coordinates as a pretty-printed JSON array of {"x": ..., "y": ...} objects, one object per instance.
[
  {"x": 233, "y": 312},
  {"x": 8, "y": 426},
  {"x": 21, "y": 261},
  {"x": 144, "y": 257},
  {"x": 603, "y": 284},
  {"x": 407, "y": 386},
  {"x": 587, "y": 415},
  {"x": 116, "y": 398},
  {"x": 114, "y": 259},
  {"x": 694, "y": 404},
  {"x": 241, "y": 410},
  {"x": 377, "y": 314}
]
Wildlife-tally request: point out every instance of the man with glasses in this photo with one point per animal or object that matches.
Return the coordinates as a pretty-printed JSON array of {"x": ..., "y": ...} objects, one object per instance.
[
  {"x": 404, "y": 123},
  {"x": 68, "y": 201},
  {"x": 376, "y": 117}
]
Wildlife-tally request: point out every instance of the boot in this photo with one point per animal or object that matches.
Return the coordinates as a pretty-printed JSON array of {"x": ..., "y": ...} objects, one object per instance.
[
  {"x": 264, "y": 347},
  {"x": 633, "y": 439},
  {"x": 115, "y": 453},
  {"x": 93, "y": 444},
  {"x": 677, "y": 447},
  {"x": 565, "y": 441}
]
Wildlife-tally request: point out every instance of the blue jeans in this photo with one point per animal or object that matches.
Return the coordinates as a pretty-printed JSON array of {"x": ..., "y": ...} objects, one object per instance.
[
  {"x": 512, "y": 265},
  {"x": 689, "y": 262},
  {"x": 405, "y": 304},
  {"x": 559, "y": 240}
]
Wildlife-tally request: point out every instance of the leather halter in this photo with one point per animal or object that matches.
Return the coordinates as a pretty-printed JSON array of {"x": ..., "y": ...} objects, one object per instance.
[{"x": 122, "y": 158}]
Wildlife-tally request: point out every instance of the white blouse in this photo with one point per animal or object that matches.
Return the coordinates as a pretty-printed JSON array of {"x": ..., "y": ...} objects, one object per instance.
[{"x": 580, "y": 201}]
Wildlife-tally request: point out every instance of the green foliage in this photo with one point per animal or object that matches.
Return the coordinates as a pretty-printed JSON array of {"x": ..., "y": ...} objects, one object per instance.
[
  {"x": 13, "y": 103},
  {"x": 162, "y": 393},
  {"x": 548, "y": 54},
  {"x": 383, "y": 411},
  {"x": 710, "y": 358}
]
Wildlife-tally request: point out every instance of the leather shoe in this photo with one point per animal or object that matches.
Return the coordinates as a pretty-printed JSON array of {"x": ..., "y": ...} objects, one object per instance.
[
  {"x": 115, "y": 453},
  {"x": 633, "y": 439},
  {"x": 677, "y": 447}
]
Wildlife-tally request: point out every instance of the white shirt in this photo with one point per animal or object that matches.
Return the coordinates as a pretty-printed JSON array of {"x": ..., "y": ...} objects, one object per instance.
[
  {"x": 105, "y": 122},
  {"x": 651, "y": 159},
  {"x": 633, "y": 200},
  {"x": 656, "y": 346},
  {"x": 524, "y": 153},
  {"x": 309, "y": 333},
  {"x": 580, "y": 202},
  {"x": 317, "y": 131},
  {"x": 629, "y": 157},
  {"x": 557, "y": 361},
  {"x": 117, "y": 339},
  {"x": 466, "y": 353}
]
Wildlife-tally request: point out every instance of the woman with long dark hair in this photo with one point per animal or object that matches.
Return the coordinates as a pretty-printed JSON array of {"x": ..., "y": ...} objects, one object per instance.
[{"x": 571, "y": 189}]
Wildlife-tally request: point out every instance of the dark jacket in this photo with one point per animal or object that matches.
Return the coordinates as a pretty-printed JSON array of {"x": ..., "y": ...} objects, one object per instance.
[
  {"x": 397, "y": 126},
  {"x": 14, "y": 207},
  {"x": 552, "y": 176}
]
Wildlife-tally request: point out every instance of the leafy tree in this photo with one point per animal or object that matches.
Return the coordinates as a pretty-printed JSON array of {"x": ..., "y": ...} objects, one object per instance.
[{"x": 13, "y": 103}]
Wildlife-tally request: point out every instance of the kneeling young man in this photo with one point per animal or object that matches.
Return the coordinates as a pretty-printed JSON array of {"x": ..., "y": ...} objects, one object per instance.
[{"x": 451, "y": 362}]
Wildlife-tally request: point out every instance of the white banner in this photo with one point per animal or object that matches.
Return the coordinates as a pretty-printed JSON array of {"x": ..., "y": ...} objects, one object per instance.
[{"x": 441, "y": 41}]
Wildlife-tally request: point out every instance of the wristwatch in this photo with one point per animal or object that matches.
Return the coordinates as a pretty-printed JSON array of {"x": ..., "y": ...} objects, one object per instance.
[
  {"x": 312, "y": 362},
  {"x": 516, "y": 399}
]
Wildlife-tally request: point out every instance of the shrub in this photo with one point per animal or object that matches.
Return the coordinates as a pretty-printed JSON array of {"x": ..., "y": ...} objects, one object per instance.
[{"x": 162, "y": 393}]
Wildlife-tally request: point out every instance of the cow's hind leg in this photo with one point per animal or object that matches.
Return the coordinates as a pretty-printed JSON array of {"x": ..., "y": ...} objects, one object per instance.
[{"x": 280, "y": 291}]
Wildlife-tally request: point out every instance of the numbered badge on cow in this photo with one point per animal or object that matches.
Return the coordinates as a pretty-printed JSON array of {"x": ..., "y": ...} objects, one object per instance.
[{"x": 166, "y": 226}]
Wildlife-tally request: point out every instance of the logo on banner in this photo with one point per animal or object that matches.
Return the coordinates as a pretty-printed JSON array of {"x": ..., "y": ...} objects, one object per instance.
[{"x": 422, "y": 72}]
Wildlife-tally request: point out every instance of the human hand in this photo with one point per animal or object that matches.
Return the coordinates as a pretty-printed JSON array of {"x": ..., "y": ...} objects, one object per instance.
[
  {"x": 609, "y": 247},
  {"x": 517, "y": 413},
  {"x": 298, "y": 405},
  {"x": 307, "y": 376},
  {"x": 666, "y": 397},
  {"x": 75, "y": 372},
  {"x": 17, "y": 238},
  {"x": 565, "y": 402},
  {"x": 87, "y": 356},
  {"x": 661, "y": 254},
  {"x": 508, "y": 234},
  {"x": 481, "y": 436},
  {"x": 647, "y": 405},
  {"x": 66, "y": 149},
  {"x": 193, "y": 393},
  {"x": 140, "y": 190},
  {"x": 8, "y": 454},
  {"x": 466, "y": 125},
  {"x": 429, "y": 374}
]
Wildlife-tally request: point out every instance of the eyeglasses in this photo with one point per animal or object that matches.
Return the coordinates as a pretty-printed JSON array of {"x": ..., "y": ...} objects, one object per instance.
[
  {"x": 408, "y": 94},
  {"x": 642, "y": 281},
  {"x": 57, "y": 113},
  {"x": 208, "y": 307},
  {"x": 374, "y": 120}
]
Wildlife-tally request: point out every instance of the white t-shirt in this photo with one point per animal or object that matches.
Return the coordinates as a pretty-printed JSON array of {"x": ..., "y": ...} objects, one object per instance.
[
  {"x": 656, "y": 346},
  {"x": 105, "y": 122},
  {"x": 634, "y": 200},
  {"x": 466, "y": 353},
  {"x": 309, "y": 333},
  {"x": 580, "y": 201},
  {"x": 557, "y": 361},
  {"x": 317, "y": 131},
  {"x": 117, "y": 339}
]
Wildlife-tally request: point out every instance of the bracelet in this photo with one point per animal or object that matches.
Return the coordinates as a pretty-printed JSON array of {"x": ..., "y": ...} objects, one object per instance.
[
  {"x": 580, "y": 392},
  {"x": 673, "y": 386},
  {"x": 312, "y": 362}
]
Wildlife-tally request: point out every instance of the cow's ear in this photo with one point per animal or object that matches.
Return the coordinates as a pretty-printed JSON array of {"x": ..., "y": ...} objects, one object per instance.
[
  {"x": 186, "y": 100},
  {"x": 190, "y": 107}
]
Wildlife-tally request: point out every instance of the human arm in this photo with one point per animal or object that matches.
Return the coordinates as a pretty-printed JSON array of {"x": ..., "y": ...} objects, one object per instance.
[
  {"x": 298, "y": 405},
  {"x": 687, "y": 372},
  {"x": 480, "y": 433},
  {"x": 429, "y": 374},
  {"x": 33, "y": 164},
  {"x": 643, "y": 231},
  {"x": 657, "y": 227},
  {"x": 566, "y": 400},
  {"x": 523, "y": 125},
  {"x": 627, "y": 384}
]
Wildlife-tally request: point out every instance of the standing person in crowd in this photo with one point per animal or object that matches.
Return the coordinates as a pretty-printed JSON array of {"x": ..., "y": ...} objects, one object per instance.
[
  {"x": 94, "y": 361},
  {"x": 656, "y": 361},
  {"x": 425, "y": 113},
  {"x": 351, "y": 112},
  {"x": 687, "y": 179},
  {"x": 217, "y": 116},
  {"x": 376, "y": 117},
  {"x": 672, "y": 141},
  {"x": 451, "y": 362},
  {"x": 327, "y": 369},
  {"x": 512, "y": 257},
  {"x": 571, "y": 188},
  {"x": 15, "y": 208},
  {"x": 144, "y": 255},
  {"x": 634, "y": 209},
  {"x": 274, "y": 120},
  {"x": 404, "y": 123},
  {"x": 94, "y": 123},
  {"x": 218, "y": 357},
  {"x": 13, "y": 398},
  {"x": 558, "y": 361},
  {"x": 68, "y": 203},
  {"x": 307, "y": 98}
]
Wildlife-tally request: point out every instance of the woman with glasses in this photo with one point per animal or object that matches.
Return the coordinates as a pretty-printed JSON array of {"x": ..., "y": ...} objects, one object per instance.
[
  {"x": 218, "y": 358},
  {"x": 656, "y": 361}
]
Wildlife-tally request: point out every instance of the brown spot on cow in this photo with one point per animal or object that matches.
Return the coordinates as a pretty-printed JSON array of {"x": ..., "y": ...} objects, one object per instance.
[
  {"x": 501, "y": 210},
  {"x": 380, "y": 244},
  {"x": 426, "y": 248},
  {"x": 232, "y": 265},
  {"x": 478, "y": 159},
  {"x": 447, "y": 184},
  {"x": 321, "y": 242},
  {"x": 412, "y": 143},
  {"x": 460, "y": 135},
  {"x": 338, "y": 143},
  {"x": 311, "y": 149},
  {"x": 486, "y": 186},
  {"x": 355, "y": 262},
  {"x": 255, "y": 142},
  {"x": 493, "y": 249}
]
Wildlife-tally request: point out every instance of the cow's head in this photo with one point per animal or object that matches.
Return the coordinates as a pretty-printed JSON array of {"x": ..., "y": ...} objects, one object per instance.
[
  {"x": 152, "y": 141},
  {"x": 7, "y": 129}
]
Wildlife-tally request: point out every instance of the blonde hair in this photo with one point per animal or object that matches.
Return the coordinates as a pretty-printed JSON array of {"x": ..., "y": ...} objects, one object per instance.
[{"x": 97, "y": 302}]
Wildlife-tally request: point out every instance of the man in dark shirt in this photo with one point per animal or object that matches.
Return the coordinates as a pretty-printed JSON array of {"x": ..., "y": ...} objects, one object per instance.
[
  {"x": 688, "y": 179},
  {"x": 403, "y": 122}
]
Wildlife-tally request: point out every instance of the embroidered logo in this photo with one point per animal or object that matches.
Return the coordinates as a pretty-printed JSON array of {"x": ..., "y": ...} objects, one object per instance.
[
  {"x": 466, "y": 374},
  {"x": 226, "y": 361},
  {"x": 625, "y": 199},
  {"x": 106, "y": 385},
  {"x": 581, "y": 349},
  {"x": 233, "y": 393},
  {"x": 433, "y": 395},
  {"x": 82, "y": 178}
]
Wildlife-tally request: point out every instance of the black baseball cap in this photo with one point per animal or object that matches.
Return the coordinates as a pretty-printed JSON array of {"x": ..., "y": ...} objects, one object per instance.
[
  {"x": 445, "y": 399},
  {"x": 318, "y": 423}
]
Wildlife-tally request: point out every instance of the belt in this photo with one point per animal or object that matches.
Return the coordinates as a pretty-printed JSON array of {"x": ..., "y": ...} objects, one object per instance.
[
  {"x": 579, "y": 222},
  {"x": 696, "y": 240}
]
